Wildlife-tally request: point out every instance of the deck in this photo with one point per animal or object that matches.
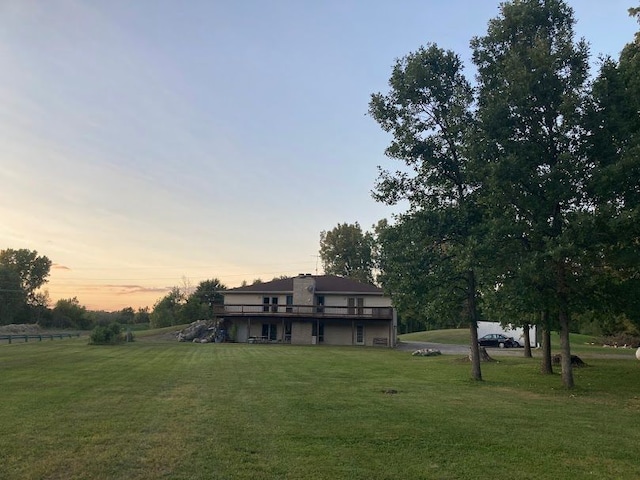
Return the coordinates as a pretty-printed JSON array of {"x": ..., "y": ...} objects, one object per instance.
[{"x": 304, "y": 311}]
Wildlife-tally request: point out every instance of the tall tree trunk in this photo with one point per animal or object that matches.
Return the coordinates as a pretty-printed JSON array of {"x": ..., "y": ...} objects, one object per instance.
[
  {"x": 567, "y": 369},
  {"x": 527, "y": 341},
  {"x": 546, "y": 367},
  {"x": 563, "y": 317},
  {"x": 476, "y": 372}
]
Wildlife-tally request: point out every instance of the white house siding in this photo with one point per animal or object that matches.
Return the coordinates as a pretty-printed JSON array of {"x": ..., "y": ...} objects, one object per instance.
[
  {"x": 244, "y": 299},
  {"x": 338, "y": 333},
  {"x": 301, "y": 333},
  {"x": 343, "y": 333},
  {"x": 374, "y": 330},
  {"x": 332, "y": 300}
]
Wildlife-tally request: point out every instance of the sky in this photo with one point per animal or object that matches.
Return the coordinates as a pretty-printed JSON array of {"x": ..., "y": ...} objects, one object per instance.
[{"x": 154, "y": 143}]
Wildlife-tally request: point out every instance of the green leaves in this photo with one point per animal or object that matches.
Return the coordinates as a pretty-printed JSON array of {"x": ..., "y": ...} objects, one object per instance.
[
  {"x": 32, "y": 269},
  {"x": 347, "y": 251},
  {"x": 427, "y": 110},
  {"x": 22, "y": 272},
  {"x": 177, "y": 307},
  {"x": 524, "y": 193}
]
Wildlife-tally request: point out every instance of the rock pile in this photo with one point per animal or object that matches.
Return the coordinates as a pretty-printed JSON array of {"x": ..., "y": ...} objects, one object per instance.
[
  {"x": 203, "y": 331},
  {"x": 427, "y": 352}
]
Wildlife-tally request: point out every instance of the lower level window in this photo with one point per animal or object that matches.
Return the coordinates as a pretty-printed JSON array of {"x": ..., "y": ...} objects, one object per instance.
[
  {"x": 318, "y": 331},
  {"x": 359, "y": 334},
  {"x": 270, "y": 331}
]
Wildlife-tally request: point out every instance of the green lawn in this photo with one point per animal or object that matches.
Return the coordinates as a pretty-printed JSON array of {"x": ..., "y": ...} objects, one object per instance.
[
  {"x": 161, "y": 409},
  {"x": 456, "y": 336}
]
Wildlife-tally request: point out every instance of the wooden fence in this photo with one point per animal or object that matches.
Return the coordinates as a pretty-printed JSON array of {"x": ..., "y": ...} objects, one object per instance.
[{"x": 39, "y": 336}]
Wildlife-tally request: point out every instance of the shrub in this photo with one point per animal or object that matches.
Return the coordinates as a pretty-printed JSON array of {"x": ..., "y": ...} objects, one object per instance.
[{"x": 107, "y": 335}]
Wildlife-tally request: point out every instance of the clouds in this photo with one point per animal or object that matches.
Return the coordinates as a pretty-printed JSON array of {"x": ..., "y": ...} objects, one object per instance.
[
  {"x": 56, "y": 266},
  {"x": 134, "y": 289}
]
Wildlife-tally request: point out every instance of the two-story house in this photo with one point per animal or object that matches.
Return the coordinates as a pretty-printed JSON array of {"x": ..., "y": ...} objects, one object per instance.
[{"x": 310, "y": 309}]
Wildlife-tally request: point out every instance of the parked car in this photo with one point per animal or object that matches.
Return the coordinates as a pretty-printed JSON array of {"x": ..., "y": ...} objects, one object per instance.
[{"x": 498, "y": 340}]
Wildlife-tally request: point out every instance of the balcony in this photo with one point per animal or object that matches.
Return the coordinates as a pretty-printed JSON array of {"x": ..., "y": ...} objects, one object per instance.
[{"x": 304, "y": 311}]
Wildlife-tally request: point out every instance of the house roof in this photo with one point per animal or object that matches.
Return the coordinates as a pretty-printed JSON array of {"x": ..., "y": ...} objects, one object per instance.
[{"x": 324, "y": 284}]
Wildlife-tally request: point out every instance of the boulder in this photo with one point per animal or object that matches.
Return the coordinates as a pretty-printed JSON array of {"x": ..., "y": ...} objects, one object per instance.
[
  {"x": 427, "y": 352},
  {"x": 203, "y": 331}
]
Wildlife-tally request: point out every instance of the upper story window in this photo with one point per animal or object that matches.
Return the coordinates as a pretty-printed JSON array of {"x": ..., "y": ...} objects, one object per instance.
[
  {"x": 270, "y": 303},
  {"x": 355, "y": 306},
  {"x": 320, "y": 303},
  {"x": 289, "y": 303}
]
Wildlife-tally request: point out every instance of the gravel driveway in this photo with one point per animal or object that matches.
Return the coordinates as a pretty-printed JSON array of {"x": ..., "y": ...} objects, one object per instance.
[{"x": 449, "y": 349}]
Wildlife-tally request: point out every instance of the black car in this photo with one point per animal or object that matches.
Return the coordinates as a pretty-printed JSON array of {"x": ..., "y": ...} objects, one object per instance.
[{"x": 498, "y": 340}]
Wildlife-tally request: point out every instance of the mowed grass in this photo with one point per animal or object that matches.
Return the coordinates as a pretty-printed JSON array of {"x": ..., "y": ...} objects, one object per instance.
[{"x": 161, "y": 409}]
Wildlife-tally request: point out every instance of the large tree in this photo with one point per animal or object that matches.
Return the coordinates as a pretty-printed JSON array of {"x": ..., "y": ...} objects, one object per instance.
[
  {"x": 210, "y": 292},
  {"x": 167, "y": 310},
  {"x": 347, "y": 251},
  {"x": 428, "y": 111},
  {"x": 614, "y": 150},
  {"x": 32, "y": 269},
  {"x": 12, "y": 297},
  {"x": 68, "y": 313},
  {"x": 420, "y": 264},
  {"x": 200, "y": 304},
  {"x": 178, "y": 307},
  {"x": 531, "y": 80},
  {"x": 22, "y": 273}
]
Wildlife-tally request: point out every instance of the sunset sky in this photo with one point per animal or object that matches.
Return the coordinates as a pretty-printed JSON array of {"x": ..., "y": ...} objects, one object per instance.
[{"x": 144, "y": 143}]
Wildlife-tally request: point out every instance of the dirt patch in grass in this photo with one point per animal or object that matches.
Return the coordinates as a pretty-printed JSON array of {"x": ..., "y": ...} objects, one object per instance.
[{"x": 576, "y": 361}]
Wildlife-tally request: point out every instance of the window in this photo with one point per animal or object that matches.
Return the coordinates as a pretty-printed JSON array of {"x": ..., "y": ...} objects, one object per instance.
[
  {"x": 318, "y": 331},
  {"x": 287, "y": 332},
  {"x": 289, "y": 308},
  {"x": 320, "y": 304},
  {"x": 270, "y": 331},
  {"x": 355, "y": 305},
  {"x": 273, "y": 301},
  {"x": 360, "y": 334}
]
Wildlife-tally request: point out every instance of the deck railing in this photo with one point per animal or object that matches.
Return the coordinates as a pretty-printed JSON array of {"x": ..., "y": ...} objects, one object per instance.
[{"x": 314, "y": 311}]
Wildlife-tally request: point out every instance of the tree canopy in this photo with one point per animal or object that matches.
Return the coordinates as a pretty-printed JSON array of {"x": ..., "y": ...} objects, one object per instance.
[
  {"x": 522, "y": 192},
  {"x": 347, "y": 251},
  {"x": 22, "y": 273},
  {"x": 32, "y": 269},
  {"x": 178, "y": 307}
]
